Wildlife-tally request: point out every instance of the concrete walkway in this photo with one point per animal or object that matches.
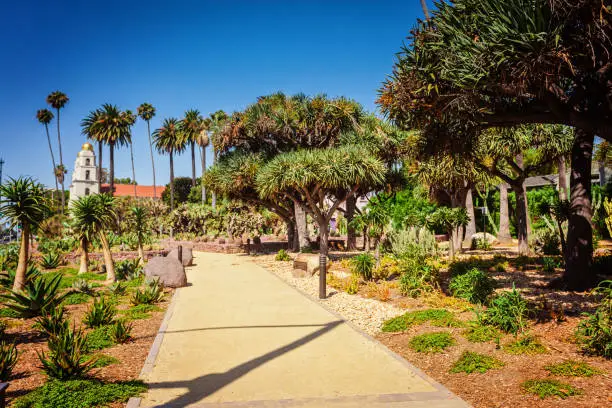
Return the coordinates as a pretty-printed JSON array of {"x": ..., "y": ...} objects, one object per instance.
[{"x": 241, "y": 337}]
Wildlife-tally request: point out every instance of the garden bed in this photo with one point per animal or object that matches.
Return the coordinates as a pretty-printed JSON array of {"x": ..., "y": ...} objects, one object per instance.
[{"x": 551, "y": 327}]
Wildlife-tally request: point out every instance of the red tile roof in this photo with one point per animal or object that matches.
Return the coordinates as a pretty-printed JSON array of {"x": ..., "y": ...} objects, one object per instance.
[{"x": 122, "y": 190}]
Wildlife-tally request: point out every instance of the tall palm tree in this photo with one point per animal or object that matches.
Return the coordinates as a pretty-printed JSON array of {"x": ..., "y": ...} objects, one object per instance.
[
  {"x": 191, "y": 127},
  {"x": 86, "y": 219},
  {"x": 89, "y": 127},
  {"x": 146, "y": 111},
  {"x": 130, "y": 119},
  {"x": 425, "y": 10},
  {"x": 58, "y": 100},
  {"x": 23, "y": 203},
  {"x": 45, "y": 116},
  {"x": 168, "y": 140},
  {"x": 110, "y": 126},
  {"x": 217, "y": 120},
  {"x": 203, "y": 141}
]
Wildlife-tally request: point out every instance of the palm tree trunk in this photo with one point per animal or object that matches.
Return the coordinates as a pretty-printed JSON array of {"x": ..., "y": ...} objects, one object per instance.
[
  {"x": 24, "y": 252},
  {"x": 84, "y": 256},
  {"x": 193, "y": 166},
  {"x": 579, "y": 257},
  {"x": 213, "y": 202},
  {"x": 203, "y": 156},
  {"x": 323, "y": 250},
  {"x": 111, "y": 163},
  {"x": 59, "y": 142},
  {"x": 108, "y": 257},
  {"x": 504, "y": 217},
  {"x": 522, "y": 229},
  {"x": 100, "y": 150},
  {"x": 425, "y": 10},
  {"x": 52, "y": 156},
  {"x": 562, "y": 179},
  {"x": 133, "y": 170},
  {"x": 141, "y": 254},
  {"x": 171, "y": 182},
  {"x": 152, "y": 160}
]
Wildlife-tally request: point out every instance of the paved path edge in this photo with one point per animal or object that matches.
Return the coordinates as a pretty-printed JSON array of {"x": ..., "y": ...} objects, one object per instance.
[
  {"x": 441, "y": 388},
  {"x": 134, "y": 402}
]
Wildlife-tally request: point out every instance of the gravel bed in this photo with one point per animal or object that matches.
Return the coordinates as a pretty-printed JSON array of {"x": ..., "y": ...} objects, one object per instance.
[{"x": 367, "y": 314}]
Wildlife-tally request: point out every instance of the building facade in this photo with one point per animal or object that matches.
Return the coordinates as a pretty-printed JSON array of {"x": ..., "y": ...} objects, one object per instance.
[{"x": 85, "y": 174}]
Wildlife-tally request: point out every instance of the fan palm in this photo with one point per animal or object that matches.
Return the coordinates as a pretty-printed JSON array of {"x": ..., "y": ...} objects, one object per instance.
[
  {"x": 146, "y": 112},
  {"x": 191, "y": 127},
  {"x": 168, "y": 140},
  {"x": 23, "y": 202},
  {"x": 58, "y": 100},
  {"x": 216, "y": 122},
  {"x": 89, "y": 127},
  {"x": 92, "y": 216},
  {"x": 45, "y": 116},
  {"x": 203, "y": 141}
]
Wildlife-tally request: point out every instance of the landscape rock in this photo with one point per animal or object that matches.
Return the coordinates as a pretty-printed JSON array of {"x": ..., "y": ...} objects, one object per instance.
[
  {"x": 169, "y": 271},
  {"x": 187, "y": 255},
  {"x": 307, "y": 263},
  {"x": 491, "y": 239}
]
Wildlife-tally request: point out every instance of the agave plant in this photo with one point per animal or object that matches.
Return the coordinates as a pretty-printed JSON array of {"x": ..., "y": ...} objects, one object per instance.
[
  {"x": 100, "y": 313},
  {"x": 8, "y": 360},
  {"x": 67, "y": 355},
  {"x": 128, "y": 269},
  {"x": 152, "y": 293},
  {"x": 38, "y": 296},
  {"x": 121, "y": 332},
  {"x": 83, "y": 286},
  {"x": 50, "y": 260},
  {"x": 117, "y": 288},
  {"x": 7, "y": 280},
  {"x": 52, "y": 322}
]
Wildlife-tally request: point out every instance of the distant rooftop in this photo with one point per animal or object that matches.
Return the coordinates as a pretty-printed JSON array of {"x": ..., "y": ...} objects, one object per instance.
[{"x": 124, "y": 190}]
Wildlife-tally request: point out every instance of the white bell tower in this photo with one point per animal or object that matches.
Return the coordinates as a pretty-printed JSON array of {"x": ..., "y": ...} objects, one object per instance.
[{"x": 85, "y": 174}]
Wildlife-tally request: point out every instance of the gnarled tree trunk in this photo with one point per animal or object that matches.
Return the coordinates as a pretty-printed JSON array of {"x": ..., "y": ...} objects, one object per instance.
[
  {"x": 351, "y": 234},
  {"x": 522, "y": 229},
  {"x": 470, "y": 228},
  {"x": 504, "y": 216},
  {"x": 302, "y": 226},
  {"x": 579, "y": 256},
  {"x": 108, "y": 257},
  {"x": 562, "y": 178}
]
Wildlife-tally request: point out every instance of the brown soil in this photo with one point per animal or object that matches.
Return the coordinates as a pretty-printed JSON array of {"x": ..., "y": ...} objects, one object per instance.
[{"x": 28, "y": 374}]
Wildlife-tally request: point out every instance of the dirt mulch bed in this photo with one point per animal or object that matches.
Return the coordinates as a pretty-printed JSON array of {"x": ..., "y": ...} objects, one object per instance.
[{"x": 28, "y": 374}]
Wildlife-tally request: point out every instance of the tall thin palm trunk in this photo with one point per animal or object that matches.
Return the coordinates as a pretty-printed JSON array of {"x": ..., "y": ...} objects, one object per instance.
[
  {"x": 133, "y": 170},
  {"x": 22, "y": 264},
  {"x": 52, "y": 156},
  {"x": 152, "y": 159},
  {"x": 171, "y": 182},
  {"x": 108, "y": 257},
  {"x": 562, "y": 178},
  {"x": 214, "y": 195},
  {"x": 504, "y": 216},
  {"x": 203, "y": 157},
  {"x": 193, "y": 165},
  {"x": 111, "y": 165},
  {"x": 100, "y": 166},
  {"x": 425, "y": 10},
  {"x": 61, "y": 159},
  {"x": 83, "y": 268}
]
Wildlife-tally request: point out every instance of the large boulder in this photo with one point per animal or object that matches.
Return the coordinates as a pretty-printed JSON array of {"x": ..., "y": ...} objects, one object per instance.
[
  {"x": 479, "y": 236},
  {"x": 169, "y": 271},
  {"x": 187, "y": 255},
  {"x": 305, "y": 265}
]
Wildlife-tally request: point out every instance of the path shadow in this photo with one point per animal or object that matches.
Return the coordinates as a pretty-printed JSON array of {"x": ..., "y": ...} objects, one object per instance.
[
  {"x": 203, "y": 386},
  {"x": 248, "y": 327}
]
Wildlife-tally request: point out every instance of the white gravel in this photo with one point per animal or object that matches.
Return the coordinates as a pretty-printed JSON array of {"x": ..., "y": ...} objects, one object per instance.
[{"x": 367, "y": 314}]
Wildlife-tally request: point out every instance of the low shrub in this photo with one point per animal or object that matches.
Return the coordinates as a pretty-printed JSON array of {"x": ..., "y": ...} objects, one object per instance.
[
  {"x": 507, "y": 311},
  {"x": 417, "y": 280},
  {"x": 435, "y": 317},
  {"x": 83, "y": 286},
  {"x": 38, "y": 295},
  {"x": 470, "y": 362},
  {"x": 351, "y": 285},
  {"x": 102, "y": 360},
  {"x": 571, "y": 368},
  {"x": 66, "y": 359},
  {"x": 80, "y": 394},
  {"x": 363, "y": 265},
  {"x": 474, "y": 286},
  {"x": 117, "y": 288},
  {"x": 140, "y": 312},
  {"x": 380, "y": 291},
  {"x": 502, "y": 266},
  {"x": 526, "y": 344},
  {"x": 386, "y": 268},
  {"x": 98, "y": 339},
  {"x": 482, "y": 244},
  {"x": 481, "y": 333},
  {"x": 100, "y": 313},
  {"x": 121, "y": 332},
  {"x": 550, "y": 388},
  {"x": 8, "y": 359},
  {"x": 549, "y": 264},
  {"x": 431, "y": 342},
  {"x": 594, "y": 333},
  {"x": 76, "y": 298},
  {"x": 283, "y": 256},
  {"x": 546, "y": 242},
  {"x": 50, "y": 260}
]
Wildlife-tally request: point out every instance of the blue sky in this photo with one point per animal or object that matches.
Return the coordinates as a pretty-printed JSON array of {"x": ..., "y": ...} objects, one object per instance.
[{"x": 178, "y": 55}]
